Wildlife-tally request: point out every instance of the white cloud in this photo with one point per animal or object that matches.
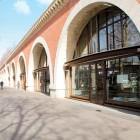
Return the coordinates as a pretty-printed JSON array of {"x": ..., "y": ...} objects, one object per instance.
[
  {"x": 22, "y": 7},
  {"x": 45, "y": 2}
]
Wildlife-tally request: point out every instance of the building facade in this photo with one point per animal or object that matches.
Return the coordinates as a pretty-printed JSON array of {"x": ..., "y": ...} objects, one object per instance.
[{"x": 81, "y": 49}]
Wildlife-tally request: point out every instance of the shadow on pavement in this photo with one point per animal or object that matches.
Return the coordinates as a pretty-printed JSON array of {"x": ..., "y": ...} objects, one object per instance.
[{"x": 44, "y": 118}]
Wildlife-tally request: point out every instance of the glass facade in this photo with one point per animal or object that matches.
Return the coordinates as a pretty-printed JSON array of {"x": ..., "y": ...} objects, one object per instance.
[
  {"x": 114, "y": 80},
  {"x": 123, "y": 79},
  {"x": 41, "y": 74},
  {"x": 109, "y": 30},
  {"x": 42, "y": 81},
  {"x": 81, "y": 81},
  {"x": 113, "y": 75}
]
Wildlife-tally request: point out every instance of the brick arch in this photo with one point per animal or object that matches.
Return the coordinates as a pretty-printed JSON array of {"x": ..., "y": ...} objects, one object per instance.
[
  {"x": 79, "y": 13},
  {"x": 13, "y": 82},
  {"x": 8, "y": 74},
  {"x": 21, "y": 55},
  {"x": 39, "y": 40}
]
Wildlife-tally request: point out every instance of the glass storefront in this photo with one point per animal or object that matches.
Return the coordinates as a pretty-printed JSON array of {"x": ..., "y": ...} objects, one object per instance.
[
  {"x": 41, "y": 73},
  {"x": 115, "y": 80},
  {"x": 23, "y": 81},
  {"x": 81, "y": 81},
  {"x": 42, "y": 81},
  {"x": 88, "y": 82},
  {"x": 106, "y": 61},
  {"x": 93, "y": 81},
  {"x": 111, "y": 29},
  {"x": 123, "y": 79}
]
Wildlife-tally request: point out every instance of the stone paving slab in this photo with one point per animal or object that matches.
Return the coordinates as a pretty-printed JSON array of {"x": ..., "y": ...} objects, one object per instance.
[{"x": 35, "y": 116}]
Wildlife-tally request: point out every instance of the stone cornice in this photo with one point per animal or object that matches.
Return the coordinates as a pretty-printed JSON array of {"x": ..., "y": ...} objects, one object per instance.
[{"x": 55, "y": 7}]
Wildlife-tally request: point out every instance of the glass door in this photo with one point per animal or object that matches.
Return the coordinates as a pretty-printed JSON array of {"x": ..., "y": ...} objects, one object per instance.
[
  {"x": 100, "y": 82},
  {"x": 23, "y": 81},
  {"x": 81, "y": 81},
  {"x": 123, "y": 76},
  {"x": 45, "y": 82},
  {"x": 42, "y": 81},
  {"x": 97, "y": 82},
  {"x": 68, "y": 82},
  {"x": 93, "y": 92}
]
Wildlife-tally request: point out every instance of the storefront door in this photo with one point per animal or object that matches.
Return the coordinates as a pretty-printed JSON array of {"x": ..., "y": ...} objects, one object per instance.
[
  {"x": 123, "y": 81},
  {"x": 98, "y": 82},
  {"x": 44, "y": 82},
  {"x": 23, "y": 81},
  {"x": 93, "y": 91}
]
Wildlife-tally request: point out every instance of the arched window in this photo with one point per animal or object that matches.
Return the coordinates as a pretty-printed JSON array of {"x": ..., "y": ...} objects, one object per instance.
[
  {"x": 108, "y": 66},
  {"x": 22, "y": 73},
  {"x": 108, "y": 30},
  {"x": 42, "y": 59},
  {"x": 41, "y": 70}
]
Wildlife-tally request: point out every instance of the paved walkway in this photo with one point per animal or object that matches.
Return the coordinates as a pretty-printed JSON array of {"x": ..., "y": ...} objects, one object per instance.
[{"x": 34, "y": 116}]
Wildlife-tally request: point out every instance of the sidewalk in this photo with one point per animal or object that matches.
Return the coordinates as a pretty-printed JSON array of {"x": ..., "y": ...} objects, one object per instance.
[{"x": 34, "y": 116}]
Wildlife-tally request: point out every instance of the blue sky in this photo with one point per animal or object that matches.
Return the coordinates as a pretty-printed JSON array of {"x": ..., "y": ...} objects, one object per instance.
[{"x": 16, "y": 18}]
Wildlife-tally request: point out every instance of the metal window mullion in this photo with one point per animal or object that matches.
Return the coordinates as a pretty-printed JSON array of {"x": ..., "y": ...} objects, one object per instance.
[
  {"x": 98, "y": 33},
  {"x": 90, "y": 85},
  {"x": 122, "y": 37},
  {"x": 46, "y": 60},
  {"x": 107, "y": 31},
  {"x": 113, "y": 33},
  {"x": 90, "y": 36}
]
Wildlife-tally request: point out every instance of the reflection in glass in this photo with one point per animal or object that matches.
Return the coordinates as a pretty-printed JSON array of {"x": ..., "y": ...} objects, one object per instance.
[
  {"x": 103, "y": 41},
  {"x": 131, "y": 34},
  {"x": 117, "y": 35},
  {"x": 116, "y": 15},
  {"x": 99, "y": 78},
  {"x": 82, "y": 45},
  {"x": 102, "y": 19},
  {"x": 110, "y": 37},
  {"x": 94, "y": 44},
  {"x": 111, "y": 29},
  {"x": 93, "y": 81},
  {"x": 41, "y": 73},
  {"x": 109, "y": 17},
  {"x": 123, "y": 78},
  {"x": 80, "y": 81}
]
